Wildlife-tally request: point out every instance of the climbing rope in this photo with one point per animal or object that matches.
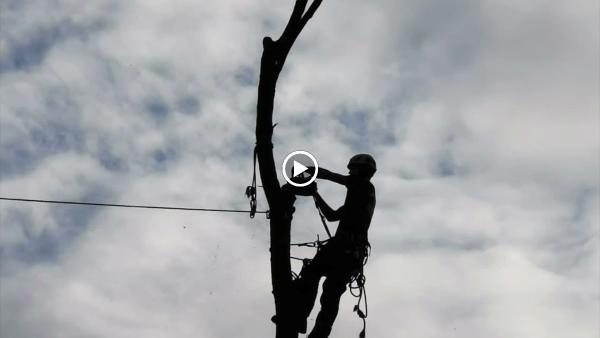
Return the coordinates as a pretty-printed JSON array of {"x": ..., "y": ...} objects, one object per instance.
[
  {"x": 251, "y": 189},
  {"x": 138, "y": 206},
  {"x": 358, "y": 290},
  {"x": 314, "y": 244},
  {"x": 322, "y": 216}
]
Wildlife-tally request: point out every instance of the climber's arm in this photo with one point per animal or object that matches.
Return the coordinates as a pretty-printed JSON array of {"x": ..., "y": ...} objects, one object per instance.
[
  {"x": 328, "y": 212},
  {"x": 330, "y": 176}
]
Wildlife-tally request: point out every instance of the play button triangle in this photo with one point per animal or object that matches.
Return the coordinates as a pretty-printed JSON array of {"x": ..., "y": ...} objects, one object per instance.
[{"x": 299, "y": 168}]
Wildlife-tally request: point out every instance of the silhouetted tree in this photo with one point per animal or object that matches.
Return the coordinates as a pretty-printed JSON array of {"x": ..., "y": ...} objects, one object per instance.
[{"x": 281, "y": 203}]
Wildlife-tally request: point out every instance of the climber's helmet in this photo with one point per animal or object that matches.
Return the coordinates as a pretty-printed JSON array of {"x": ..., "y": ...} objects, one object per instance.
[{"x": 362, "y": 165}]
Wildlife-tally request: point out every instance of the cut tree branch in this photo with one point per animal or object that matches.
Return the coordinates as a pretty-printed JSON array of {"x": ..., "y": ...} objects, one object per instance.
[{"x": 281, "y": 203}]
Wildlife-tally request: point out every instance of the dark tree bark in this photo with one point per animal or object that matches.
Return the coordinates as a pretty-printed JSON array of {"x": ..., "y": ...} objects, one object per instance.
[{"x": 281, "y": 203}]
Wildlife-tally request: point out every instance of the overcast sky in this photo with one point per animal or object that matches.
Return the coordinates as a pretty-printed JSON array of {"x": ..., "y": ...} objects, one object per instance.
[{"x": 483, "y": 117}]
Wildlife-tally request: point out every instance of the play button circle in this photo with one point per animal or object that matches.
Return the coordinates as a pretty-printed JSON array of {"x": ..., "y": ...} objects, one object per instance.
[{"x": 295, "y": 166}]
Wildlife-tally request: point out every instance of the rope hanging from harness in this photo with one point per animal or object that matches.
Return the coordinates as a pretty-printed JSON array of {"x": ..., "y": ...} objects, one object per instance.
[
  {"x": 322, "y": 216},
  {"x": 358, "y": 282}
]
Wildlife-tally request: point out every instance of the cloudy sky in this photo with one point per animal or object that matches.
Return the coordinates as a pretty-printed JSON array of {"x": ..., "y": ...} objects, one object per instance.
[{"x": 483, "y": 117}]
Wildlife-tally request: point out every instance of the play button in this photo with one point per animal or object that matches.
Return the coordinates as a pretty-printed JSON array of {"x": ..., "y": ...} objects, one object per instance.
[{"x": 295, "y": 168}]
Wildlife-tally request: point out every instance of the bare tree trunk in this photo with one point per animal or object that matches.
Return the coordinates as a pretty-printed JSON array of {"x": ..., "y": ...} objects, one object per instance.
[{"x": 281, "y": 203}]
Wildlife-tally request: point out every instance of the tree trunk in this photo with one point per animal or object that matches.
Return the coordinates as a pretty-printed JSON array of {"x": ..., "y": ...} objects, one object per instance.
[{"x": 281, "y": 203}]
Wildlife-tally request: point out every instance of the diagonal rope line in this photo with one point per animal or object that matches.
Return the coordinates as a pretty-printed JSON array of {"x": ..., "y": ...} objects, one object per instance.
[{"x": 126, "y": 205}]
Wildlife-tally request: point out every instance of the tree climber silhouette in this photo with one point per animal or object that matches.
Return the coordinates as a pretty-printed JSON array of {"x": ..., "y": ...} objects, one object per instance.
[{"x": 342, "y": 256}]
